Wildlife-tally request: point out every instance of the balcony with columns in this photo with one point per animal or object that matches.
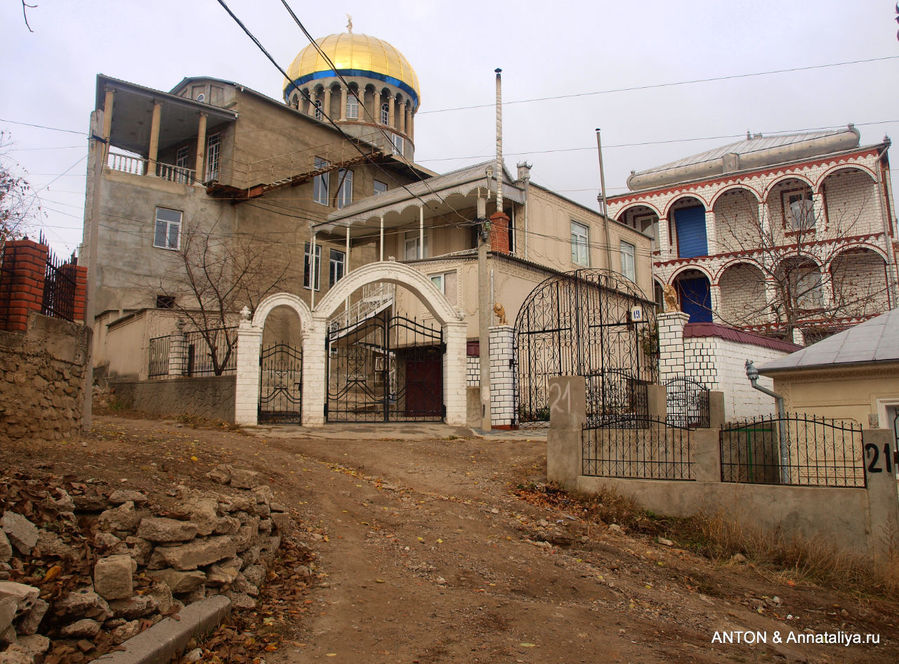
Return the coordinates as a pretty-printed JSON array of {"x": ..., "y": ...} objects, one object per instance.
[{"x": 151, "y": 134}]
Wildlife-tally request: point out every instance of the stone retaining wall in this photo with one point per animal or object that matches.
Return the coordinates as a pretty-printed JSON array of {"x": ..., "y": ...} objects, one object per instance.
[
  {"x": 90, "y": 567},
  {"x": 43, "y": 373},
  {"x": 210, "y": 397}
]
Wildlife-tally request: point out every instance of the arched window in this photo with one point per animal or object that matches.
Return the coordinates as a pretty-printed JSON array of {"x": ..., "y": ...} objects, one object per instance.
[
  {"x": 318, "y": 110},
  {"x": 385, "y": 113},
  {"x": 352, "y": 105}
]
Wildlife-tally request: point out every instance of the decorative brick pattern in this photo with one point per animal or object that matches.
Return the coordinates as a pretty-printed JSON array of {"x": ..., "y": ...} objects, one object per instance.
[
  {"x": 502, "y": 376},
  {"x": 472, "y": 371},
  {"x": 22, "y": 282},
  {"x": 745, "y": 222},
  {"x": 717, "y": 363},
  {"x": 742, "y": 296}
]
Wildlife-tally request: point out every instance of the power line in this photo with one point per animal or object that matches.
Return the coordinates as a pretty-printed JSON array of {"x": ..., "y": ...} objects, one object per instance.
[
  {"x": 671, "y": 84},
  {"x": 661, "y": 142},
  {"x": 38, "y": 126}
]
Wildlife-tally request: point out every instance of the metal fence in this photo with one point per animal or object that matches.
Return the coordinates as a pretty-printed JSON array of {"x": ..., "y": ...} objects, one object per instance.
[
  {"x": 637, "y": 448},
  {"x": 59, "y": 287},
  {"x": 159, "y": 357},
  {"x": 687, "y": 403},
  {"x": 799, "y": 450},
  {"x": 200, "y": 346},
  {"x": 194, "y": 353}
]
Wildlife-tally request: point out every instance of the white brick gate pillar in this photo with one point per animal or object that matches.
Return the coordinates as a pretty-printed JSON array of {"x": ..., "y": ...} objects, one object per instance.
[
  {"x": 315, "y": 375},
  {"x": 246, "y": 393},
  {"x": 454, "y": 365},
  {"x": 502, "y": 377},
  {"x": 671, "y": 344}
]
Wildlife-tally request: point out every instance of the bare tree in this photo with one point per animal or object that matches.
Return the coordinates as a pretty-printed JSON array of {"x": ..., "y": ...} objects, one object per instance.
[
  {"x": 18, "y": 203},
  {"x": 800, "y": 270},
  {"x": 214, "y": 275}
]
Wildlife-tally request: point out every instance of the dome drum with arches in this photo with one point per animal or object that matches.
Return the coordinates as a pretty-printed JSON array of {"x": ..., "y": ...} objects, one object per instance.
[{"x": 353, "y": 55}]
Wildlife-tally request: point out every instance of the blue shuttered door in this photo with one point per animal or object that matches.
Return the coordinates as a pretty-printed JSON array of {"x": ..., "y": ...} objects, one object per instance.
[
  {"x": 695, "y": 299},
  {"x": 690, "y": 224}
]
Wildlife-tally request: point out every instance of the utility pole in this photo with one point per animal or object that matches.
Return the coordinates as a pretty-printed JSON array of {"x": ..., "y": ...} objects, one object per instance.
[
  {"x": 484, "y": 311},
  {"x": 601, "y": 199}
]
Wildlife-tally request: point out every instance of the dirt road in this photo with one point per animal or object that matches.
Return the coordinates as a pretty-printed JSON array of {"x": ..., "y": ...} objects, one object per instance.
[{"x": 426, "y": 555}]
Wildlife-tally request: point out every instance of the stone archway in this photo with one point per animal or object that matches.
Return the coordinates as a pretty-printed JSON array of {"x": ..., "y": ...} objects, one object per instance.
[
  {"x": 249, "y": 342},
  {"x": 451, "y": 323}
]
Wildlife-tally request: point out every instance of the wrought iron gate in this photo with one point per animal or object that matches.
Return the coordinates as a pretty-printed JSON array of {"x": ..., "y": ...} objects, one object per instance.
[
  {"x": 385, "y": 369},
  {"x": 687, "y": 403},
  {"x": 280, "y": 384},
  {"x": 592, "y": 323}
]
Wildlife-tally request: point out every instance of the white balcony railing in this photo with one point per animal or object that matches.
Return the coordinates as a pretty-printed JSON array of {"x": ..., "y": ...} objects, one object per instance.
[{"x": 132, "y": 165}]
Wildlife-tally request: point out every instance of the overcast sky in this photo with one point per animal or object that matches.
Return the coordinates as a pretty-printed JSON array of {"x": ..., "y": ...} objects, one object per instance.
[{"x": 547, "y": 50}]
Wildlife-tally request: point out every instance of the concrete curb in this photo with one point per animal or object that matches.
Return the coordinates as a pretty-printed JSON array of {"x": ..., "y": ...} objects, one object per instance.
[{"x": 169, "y": 637}]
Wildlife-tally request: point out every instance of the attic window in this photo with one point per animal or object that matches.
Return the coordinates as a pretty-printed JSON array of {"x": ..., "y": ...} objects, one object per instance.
[{"x": 165, "y": 301}]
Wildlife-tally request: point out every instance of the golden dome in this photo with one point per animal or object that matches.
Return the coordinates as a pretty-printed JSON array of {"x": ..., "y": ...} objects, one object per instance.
[{"x": 353, "y": 55}]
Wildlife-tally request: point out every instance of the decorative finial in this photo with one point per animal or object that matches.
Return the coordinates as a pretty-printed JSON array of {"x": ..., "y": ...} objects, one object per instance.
[
  {"x": 349, "y": 24},
  {"x": 245, "y": 313}
]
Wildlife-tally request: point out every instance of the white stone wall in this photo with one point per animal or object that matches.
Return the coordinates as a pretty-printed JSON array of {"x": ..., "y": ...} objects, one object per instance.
[
  {"x": 671, "y": 345},
  {"x": 719, "y": 364},
  {"x": 502, "y": 375},
  {"x": 472, "y": 371},
  {"x": 851, "y": 204},
  {"x": 722, "y": 363},
  {"x": 742, "y": 300}
]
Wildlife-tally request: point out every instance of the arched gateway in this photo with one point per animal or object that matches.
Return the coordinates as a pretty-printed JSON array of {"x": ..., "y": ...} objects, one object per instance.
[
  {"x": 347, "y": 366},
  {"x": 591, "y": 323}
]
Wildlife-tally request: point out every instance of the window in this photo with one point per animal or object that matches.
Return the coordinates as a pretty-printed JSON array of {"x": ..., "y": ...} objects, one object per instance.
[
  {"x": 307, "y": 267},
  {"x": 398, "y": 147},
  {"x": 799, "y": 210},
  {"x": 628, "y": 266},
  {"x": 379, "y": 187},
  {"x": 320, "y": 182},
  {"x": 580, "y": 239},
  {"x": 385, "y": 114},
  {"x": 168, "y": 229},
  {"x": 165, "y": 301},
  {"x": 181, "y": 163},
  {"x": 318, "y": 110},
  {"x": 446, "y": 284},
  {"x": 336, "y": 266},
  {"x": 412, "y": 239},
  {"x": 345, "y": 188},
  {"x": 352, "y": 106},
  {"x": 213, "y": 156}
]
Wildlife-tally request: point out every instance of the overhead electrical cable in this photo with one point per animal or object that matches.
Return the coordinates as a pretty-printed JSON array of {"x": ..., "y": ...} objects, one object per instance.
[{"x": 671, "y": 84}]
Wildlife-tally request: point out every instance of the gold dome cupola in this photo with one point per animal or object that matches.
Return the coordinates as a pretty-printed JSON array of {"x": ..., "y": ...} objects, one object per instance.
[{"x": 368, "y": 87}]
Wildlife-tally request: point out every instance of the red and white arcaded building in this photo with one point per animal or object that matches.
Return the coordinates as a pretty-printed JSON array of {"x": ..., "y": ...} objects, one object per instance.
[{"x": 788, "y": 235}]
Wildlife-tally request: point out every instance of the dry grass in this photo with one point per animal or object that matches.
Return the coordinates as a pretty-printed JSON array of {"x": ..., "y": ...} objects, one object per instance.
[
  {"x": 716, "y": 537},
  {"x": 817, "y": 560}
]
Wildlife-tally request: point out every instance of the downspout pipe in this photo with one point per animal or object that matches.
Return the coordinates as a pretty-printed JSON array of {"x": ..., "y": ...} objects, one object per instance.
[{"x": 753, "y": 375}]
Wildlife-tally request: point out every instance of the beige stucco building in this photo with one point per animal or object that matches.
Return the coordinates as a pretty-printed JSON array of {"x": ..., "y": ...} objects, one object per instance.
[{"x": 215, "y": 183}]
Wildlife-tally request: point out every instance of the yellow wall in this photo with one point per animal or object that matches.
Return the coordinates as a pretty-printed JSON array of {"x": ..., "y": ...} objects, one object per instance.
[{"x": 840, "y": 393}]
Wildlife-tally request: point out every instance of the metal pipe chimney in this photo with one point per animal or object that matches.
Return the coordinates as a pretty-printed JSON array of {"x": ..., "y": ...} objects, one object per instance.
[{"x": 499, "y": 140}]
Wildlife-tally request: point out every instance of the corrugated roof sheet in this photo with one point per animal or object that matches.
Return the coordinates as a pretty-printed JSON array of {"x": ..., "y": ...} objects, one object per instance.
[
  {"x": 876, "y": 340},
  {"x": 746, "y": 146}
]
